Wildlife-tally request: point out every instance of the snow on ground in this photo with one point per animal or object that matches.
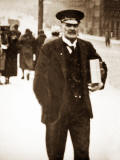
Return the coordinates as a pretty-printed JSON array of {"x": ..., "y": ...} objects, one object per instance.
[
  {"x": 105, "y": 126},
  {"x": 22, "y": 135}
]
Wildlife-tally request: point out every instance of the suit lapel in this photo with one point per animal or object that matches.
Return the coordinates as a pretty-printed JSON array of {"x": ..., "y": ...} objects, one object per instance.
[
  {"x": 60, "y": 50},
  {"x": 61, "y": 56},
  {"x": 82, "y": 55},
  {"x": 84, "y": 62}
]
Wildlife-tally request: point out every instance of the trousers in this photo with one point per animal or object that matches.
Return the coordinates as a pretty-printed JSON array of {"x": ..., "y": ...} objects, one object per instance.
[{"x": 78, "y": 124}]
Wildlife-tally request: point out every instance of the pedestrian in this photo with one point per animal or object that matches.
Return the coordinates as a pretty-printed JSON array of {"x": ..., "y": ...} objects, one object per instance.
[
  {"x": 55, "y": 33},
  {"x": 12, "y": 38},
  {"x": 2, "y": 57},
  {"x": 4, "y": 31},
  {"x": 107, "y": 38},
  {"x": 27, "y": 51},
  {"x": 61, "y": 86},
  {"x": 39, "y": 42}
]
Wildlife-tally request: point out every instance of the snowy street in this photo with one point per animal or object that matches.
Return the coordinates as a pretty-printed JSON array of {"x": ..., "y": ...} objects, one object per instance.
[{"x": 22, "y": 135}]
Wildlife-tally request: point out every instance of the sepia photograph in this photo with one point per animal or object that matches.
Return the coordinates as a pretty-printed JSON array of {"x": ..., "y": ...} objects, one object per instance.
[{"x": 59, "y": 79}]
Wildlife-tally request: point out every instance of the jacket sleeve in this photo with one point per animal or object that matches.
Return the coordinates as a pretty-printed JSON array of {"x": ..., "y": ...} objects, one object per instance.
[
  {"x": 40, "y": 83},
  {"x": 103, "y": 67}
]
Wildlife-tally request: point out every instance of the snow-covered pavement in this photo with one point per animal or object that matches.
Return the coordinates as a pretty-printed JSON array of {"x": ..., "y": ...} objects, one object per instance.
[{"x": 22, "y": 135}]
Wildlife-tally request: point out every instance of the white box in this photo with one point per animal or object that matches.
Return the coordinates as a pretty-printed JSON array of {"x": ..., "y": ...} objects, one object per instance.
[{"x": 95, "y": 71}]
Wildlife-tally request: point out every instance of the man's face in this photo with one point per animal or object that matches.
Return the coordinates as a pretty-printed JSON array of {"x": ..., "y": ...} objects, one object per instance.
[{"x": 70, "y": 30}]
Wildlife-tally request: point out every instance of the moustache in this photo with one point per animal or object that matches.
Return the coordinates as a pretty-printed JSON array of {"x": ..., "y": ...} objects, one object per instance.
[{"x": 72, "y": 32}]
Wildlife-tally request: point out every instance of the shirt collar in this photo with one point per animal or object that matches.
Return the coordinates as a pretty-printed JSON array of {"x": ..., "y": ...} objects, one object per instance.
[{"x": 68, "y": 42}]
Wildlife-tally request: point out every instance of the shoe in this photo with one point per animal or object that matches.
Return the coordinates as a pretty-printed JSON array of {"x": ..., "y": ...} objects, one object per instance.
[
  {"x": 7, "y": 81},
  {"x": 22, "y": 77},
  {"x": 28, "y": 76},
  {"x": 1, "y": 83}
]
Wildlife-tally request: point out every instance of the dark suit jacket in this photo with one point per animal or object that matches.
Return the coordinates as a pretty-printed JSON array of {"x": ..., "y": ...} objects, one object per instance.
[{"x": 50, "y": 78}]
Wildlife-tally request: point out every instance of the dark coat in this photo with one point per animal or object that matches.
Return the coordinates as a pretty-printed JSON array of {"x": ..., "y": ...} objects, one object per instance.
[
  {"x": 11, "y": 54},
  {"x": 27, "y": 49},
  {"x": 39, "y": 43},
  {"x": 50, "y": 78},
  {"x": 2, "y": 60}
]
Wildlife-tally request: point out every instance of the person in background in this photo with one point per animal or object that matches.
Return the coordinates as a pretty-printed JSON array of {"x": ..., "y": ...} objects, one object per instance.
[
  {"x": 12, "y": 39},
  {"x": 55, "y": 33},
  {"x": 107, "y": 38},
  {"x": 39, "y": 42},
  {"x": 2, "y": 57},
  {"x": 62, "y": 84},
  {"x": 27, "y": 51}
]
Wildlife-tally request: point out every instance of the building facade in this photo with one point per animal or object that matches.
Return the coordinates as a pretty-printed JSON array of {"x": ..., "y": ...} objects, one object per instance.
[
  {"x": 111, "y": 17},
  {"x": 100, "y": 15}
]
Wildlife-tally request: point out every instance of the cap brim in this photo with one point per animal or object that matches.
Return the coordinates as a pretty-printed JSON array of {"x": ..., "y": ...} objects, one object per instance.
[{"x": 78, "y": 15}]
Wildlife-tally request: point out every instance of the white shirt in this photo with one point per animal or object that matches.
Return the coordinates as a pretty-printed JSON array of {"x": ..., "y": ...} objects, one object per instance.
[{"x": 68, "y": 42}]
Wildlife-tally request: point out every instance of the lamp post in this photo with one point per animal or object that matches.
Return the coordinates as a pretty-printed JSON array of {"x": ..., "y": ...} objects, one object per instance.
[{"x": 40, "y": 14}]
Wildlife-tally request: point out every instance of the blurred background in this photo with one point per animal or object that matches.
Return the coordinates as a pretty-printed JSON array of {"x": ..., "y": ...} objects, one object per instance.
[{"x": 100, "y": 15}]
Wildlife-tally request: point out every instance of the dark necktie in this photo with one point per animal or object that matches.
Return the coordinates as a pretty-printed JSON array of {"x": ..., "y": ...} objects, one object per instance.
[{"x": 72, "y": 48}]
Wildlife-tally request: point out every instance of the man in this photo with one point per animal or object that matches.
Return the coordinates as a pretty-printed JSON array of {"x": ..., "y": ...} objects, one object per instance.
[
  {"x": 39, "y": 42},
  {"x": 107, "y": 38},
  {"x": 27, "y": 50},
  {"x": 61, "y": 86}
]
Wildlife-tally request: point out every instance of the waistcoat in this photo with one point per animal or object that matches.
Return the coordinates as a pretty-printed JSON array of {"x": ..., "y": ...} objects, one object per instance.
[{"x": 74, "y": 77}]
